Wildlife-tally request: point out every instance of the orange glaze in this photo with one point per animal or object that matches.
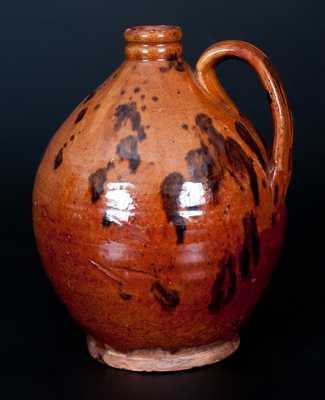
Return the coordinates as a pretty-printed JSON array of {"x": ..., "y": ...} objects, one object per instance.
[{"x": 158, "y": 213}]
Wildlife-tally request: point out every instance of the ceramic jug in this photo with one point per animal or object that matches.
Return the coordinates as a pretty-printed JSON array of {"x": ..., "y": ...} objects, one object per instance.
[{"x": 158, "y": 211}]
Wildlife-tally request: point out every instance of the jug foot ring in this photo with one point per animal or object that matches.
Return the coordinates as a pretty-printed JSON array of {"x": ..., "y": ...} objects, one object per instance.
[{"x": 161, "y": 360}]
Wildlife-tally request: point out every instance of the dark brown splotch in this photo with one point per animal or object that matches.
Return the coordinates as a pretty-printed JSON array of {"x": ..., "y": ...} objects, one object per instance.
[
  {"x": 230, "y": 155},
  {"x": 80, "y": 116},
  {"x": 143, "y": 96},
  {"x": 122, "y": 92},
  {"x": 97, "y": 106},
  {"x": 65, "y": 145},
  {"x": 96, "y": 183},
  {"x": 263, "y": 142},
  {"x": 204, "y": 123},
  {"x": 244, "y": 258},
  {"x": 232, "y": 280},
  {"x": 164, "y": 69},
  {"x": 143, "y": 108},
  {"x": 248, "y": 139},
  {"x": 136, "y": 89},
  {"x": 110, "y": 165},
  {"x": 179, "y": 66},
  {"x": 97, "y": 180},
  {"x": 125, "y": 112},
  {"x": 240, "y": 162},
  {"x": 106, "y": 222},
  {"x": 215, "y": 138},
  {"x": 225, "y": 284},
  {"x": 125, "y": 296},
  {"x": 235, "y": 156},
  {"x": 185, "y": 127},
  {"x": 263, "y": 183},
  {"x": 167, "y": 298},
  {"x": 178, "y": 91},
  {"x": 58, "y": 159},
  {"x": 72, "y": 138},
  {"x": 200, "y": 163},
  {"x": 254, "y": 239},
  {"x": 251, "y": 245},
  {"x": 127, "y": 149},
  {"x": 128, "y": 111},
  {"x": 90, "y": 96},
  {"x": 174, "y": 62},
  {"x": 154, "y": 98},
  {"x": 203, "y": 168},
  {"x": 170, "y": 190},
  {"x": 276, "y": 194},
  {"x": 273, "y": 221}
]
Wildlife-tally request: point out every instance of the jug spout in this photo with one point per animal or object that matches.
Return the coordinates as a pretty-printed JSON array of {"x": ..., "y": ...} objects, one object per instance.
[{"x": 153, "y": 43}]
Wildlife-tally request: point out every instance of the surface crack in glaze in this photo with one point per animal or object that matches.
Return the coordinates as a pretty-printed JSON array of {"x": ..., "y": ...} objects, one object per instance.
[
  {"x": 110, "y": 272},
  {"x": 126, "y": 271},
  {"x": 107, "y": 272}
]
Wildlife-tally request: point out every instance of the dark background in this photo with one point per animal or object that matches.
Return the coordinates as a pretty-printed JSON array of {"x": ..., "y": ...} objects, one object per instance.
[{"x": 52, "y": 55}]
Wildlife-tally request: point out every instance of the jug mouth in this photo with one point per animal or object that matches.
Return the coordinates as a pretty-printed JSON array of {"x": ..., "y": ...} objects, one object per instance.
[{"x": 147, "y": 34}]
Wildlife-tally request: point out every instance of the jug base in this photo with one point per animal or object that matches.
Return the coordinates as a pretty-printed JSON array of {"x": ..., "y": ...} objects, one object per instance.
[{"x": 159, "y": 360}]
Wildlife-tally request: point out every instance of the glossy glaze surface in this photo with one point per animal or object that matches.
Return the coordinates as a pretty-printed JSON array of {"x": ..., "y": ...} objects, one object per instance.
[{"x": 158, "y": 212}]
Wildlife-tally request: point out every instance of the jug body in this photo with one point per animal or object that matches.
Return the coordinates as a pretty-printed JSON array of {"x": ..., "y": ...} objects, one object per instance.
[{"x": 158, "y": 212}]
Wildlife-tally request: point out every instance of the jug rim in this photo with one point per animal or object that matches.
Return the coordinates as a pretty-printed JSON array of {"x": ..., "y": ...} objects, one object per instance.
[{"x": 153, "y": 34}]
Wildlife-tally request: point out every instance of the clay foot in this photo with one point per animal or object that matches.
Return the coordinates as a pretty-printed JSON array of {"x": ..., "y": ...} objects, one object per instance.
[{"x": 160, "y": 360}]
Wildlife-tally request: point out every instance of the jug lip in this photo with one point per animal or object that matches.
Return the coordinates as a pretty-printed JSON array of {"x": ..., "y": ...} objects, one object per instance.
[{"x": 147, "y": 34}]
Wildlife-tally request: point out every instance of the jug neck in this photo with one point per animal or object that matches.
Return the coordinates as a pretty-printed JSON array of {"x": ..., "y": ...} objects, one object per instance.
[{"x": 153, "y": 43}]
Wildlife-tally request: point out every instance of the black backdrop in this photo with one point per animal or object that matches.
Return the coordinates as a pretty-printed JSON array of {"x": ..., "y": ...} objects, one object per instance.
[{"x": 52, "y": 55}]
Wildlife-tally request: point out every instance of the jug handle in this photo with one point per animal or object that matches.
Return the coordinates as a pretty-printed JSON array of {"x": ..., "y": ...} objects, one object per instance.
[{"x": 280, "y": 163}]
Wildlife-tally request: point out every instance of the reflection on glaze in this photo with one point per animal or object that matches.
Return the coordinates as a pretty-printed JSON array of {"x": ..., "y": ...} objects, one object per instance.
[
  {"x": 193, "y": 274},
  {"x": 190, "y": 198},
  {"x": 120, "y": 204},
  {"x": 114, "y": 251},
  {"x": 192, "y": 253}
]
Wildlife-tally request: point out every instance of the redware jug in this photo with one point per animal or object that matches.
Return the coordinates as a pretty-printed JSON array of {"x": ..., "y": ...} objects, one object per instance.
[{"x": 158, "y": 211}]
